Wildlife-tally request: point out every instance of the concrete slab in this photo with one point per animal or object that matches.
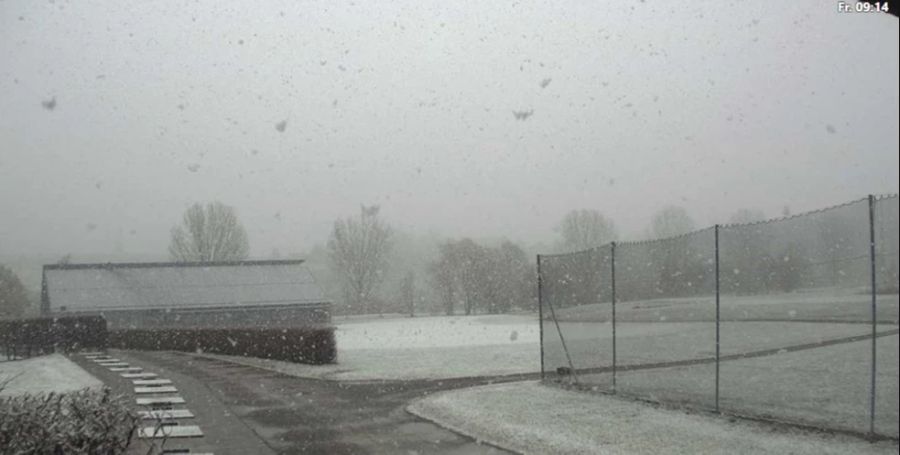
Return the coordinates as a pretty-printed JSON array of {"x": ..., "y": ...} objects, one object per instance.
[
  {"x": 156, "y": 389},
  {"x": 106, "y": 360},
  {"x": 131, "y": 369},
  {"x": 148, "y": 401},
  {"x": 138, "y": 375},
  {"x": 151, "y": 382},
  {"x": 170, "y": 431},
  {"x": 166, "y": 414}
]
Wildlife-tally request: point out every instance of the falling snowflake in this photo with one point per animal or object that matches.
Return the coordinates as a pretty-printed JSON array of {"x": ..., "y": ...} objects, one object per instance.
[{"x": 49, "y": 104}]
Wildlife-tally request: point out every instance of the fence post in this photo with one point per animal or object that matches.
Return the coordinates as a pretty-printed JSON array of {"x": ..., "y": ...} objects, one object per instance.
[
  {"x": 613, "y": 298},
  {"x": 874, "y": 312},
  {"x": 540, "y": 312},
  {"x": 717, "y": 316}
]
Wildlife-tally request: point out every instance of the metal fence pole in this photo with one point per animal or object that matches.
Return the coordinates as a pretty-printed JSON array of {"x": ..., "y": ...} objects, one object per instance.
[
  {"x": 540, "y": 312},
  {"x": 717, "y": 316},
  {"x": 874, "y": 312},
  {"x": 613, "y": 273}
]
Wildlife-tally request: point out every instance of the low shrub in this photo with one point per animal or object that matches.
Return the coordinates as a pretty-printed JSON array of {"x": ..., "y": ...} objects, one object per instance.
[
  {"x": 311, "y": 344},
  {"x": 84, "y": 422},
  {"x": 32, "y": 336}
]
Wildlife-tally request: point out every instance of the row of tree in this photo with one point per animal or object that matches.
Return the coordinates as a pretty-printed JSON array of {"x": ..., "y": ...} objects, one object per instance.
[
  {"x": 366, "y": 268},
  {"x": 482, "y": 278}
]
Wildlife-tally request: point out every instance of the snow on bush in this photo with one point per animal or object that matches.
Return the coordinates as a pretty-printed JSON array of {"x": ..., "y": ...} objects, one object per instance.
[{"x": 83, "y": 422}]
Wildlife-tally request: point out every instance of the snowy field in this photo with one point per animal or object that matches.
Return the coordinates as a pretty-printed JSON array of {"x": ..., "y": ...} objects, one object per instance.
[
  {"x": 824, "y": 387},
  {"x": 434, "y": 347},
  {"x": 49, "y": 373},
  {"x": 531, "y": 418},
  {"x": 590, "y": 344},
  {"x": 814, "y": 304}
]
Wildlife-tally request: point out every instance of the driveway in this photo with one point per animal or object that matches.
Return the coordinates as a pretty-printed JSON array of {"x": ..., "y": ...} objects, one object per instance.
[{"x": 243, "y": 409}]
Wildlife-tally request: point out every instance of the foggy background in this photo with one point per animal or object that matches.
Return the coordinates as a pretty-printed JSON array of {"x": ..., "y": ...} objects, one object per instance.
[{"x": 115, "y": 116}]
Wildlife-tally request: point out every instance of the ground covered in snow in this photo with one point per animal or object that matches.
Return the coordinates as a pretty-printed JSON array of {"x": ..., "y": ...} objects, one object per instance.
[
  {"x": 811, "y": 304},
  {"x": 823, "y": 387},
  {"x": 49, "y": 373},
  {"x": 529, "y": 417},
  {"x": 433, "y": 347}
]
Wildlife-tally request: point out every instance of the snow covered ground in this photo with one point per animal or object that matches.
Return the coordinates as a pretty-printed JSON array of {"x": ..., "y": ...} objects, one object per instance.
[
  {"x": 531, "y": 418},
  {"x": 590, "y": 343},
  {"x": 431, "y": 347},
  {"x": 824, "y": 387},
  {"x": 49, "y": 373},
  {"x": 808, "y": 304}
]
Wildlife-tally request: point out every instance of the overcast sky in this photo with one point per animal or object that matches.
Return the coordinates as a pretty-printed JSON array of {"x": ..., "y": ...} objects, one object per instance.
[{"x": 409, "y": 104}]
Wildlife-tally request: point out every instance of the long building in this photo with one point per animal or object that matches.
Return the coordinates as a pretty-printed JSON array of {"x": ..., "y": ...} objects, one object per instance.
[{"x": 276, "y": 293}]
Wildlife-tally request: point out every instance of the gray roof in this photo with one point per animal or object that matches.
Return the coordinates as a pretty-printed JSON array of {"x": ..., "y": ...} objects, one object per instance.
[{"x": 94, "y": 287}]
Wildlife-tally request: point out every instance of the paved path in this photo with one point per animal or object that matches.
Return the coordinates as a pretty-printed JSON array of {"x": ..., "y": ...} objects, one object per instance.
[{"x": 247, "y": 410}]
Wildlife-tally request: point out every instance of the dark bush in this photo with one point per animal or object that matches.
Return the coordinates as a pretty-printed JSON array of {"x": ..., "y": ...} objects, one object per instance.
[
  {"x": 84, "y": 422},
  {"x": 312, "y": 344},
  {"x": 26, "y": 337}
]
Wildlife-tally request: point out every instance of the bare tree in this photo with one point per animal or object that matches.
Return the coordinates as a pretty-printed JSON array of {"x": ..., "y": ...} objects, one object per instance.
[
  {"x": 471, "y": 268},
  {"x": 210, "y": 233},
  {"x": 747, "y": 249},
  {"x": 443, "y": 277},
  {"x": 508, "y": 278},
  {"x": 13, "y": 298},
  {"x": 586, "y": 228},
  {"x": 408, "y": 293},
  {"x": 359, "y": 249},
  {"x": 490, "y": 279},
  {"x": 671, "y": 221}
]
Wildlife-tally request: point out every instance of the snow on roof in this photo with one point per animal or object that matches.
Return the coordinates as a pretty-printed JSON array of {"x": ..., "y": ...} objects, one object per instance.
[{"x": 96, "y": 287}]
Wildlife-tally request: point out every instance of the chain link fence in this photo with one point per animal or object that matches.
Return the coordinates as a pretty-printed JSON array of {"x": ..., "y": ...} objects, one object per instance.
[{"x": 793, "y": 319}]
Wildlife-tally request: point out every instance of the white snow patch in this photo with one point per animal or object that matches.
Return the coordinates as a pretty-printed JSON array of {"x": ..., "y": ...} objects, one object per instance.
[
  {"x": 528, "y": 417},
  {"x": 423, "y": 348},
  {"x": 436, "y": 332},
  {"x": 49, "y": 373}
]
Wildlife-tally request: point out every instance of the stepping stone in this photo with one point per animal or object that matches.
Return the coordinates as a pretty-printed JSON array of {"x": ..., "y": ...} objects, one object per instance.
[
  {"x": 137, "y": 375},
  {"x": 157, "y": 389},
  {"x": 167, "y": 414},
  {"x": 115, "y": 365},
  {"x": 131, "y": 369},
  {"x": 151, "y": 382},
  {"x": 149, "y": 401},
  {"x": 170, "y": 431},
  {"x": 92, "y": 353},
  {"x": 105, "y": 360}
]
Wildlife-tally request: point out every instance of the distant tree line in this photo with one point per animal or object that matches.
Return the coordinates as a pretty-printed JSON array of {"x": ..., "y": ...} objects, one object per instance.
[
  {"x": 13, "y": 296},
  {"x": 367, "y": 267},
  {"x": 481, "y": 278}
]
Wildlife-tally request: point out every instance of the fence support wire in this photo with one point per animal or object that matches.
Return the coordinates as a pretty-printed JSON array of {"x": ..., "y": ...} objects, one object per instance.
[
  {"x": 612, "y": 259},
  {"x": 874, "y": 312},
  {"x": 540, "y": 312},
  {"x": 562, "y": 339},
  {"x": 717, "y": 315}
]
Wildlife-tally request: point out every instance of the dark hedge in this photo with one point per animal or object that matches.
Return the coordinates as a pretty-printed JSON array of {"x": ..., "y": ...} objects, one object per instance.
[
  {"x": 312, "y": 344},
  {"x": 33, "y": 336}
]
